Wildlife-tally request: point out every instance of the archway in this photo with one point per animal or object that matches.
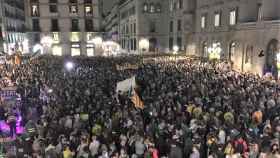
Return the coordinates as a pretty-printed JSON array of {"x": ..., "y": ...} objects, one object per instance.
[
  {"x": 204, "y": 49},
  {"x": 272, "y": 60},
  {"x": 153, "y": 44},
  {"x": 232, "y": 50}
]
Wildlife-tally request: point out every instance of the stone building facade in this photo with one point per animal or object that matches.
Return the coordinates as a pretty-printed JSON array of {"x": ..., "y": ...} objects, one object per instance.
[
  {"x": 71, "y": 25},
  {"x": 145, "y": 19},
  {"x": 244, "y": 31},
  {"x": 110, "y": 24},
  {"x": 12, "y": 27}
]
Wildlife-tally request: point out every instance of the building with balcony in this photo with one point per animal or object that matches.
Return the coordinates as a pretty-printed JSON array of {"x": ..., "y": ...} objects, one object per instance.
[
  {"x": 12, "y": 25},
  {"x": 64, "y": 27},
  {"x": 144, "y": 19},
  {"x": 163, "y": 24},
  {"x": 181, "y": 23},
  {"x": 111, "y": 24}
]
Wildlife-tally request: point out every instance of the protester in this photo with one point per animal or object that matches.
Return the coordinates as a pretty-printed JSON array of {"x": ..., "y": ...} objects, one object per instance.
[{"x": 191, "y": 109}]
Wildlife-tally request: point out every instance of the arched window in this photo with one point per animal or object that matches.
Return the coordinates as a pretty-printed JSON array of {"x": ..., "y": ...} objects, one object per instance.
[
  {"x": 158, "y": 8},
  {"x": 248, "y": 54},
  {"x": 145, "y": 7},
  {"x": 204, "y": 49},
  {"x": 232, "y": 49},
  {"x": 152, "y": 8}
]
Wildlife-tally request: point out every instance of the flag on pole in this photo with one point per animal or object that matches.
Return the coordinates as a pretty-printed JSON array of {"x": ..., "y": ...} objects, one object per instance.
[
  {"x": 138, "y": 103},
  {"x": 17, "y": 59}
]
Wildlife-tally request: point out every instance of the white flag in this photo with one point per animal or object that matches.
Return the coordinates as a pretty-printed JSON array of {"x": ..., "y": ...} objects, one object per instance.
[{"x": 126, "y": 85}]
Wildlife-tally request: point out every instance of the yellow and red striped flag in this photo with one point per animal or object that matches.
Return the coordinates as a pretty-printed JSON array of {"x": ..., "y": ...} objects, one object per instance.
[{"x": 138, "y": 103}]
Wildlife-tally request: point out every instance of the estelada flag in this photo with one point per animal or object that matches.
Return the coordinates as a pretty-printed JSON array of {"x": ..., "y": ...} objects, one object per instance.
[
  {"x": 138, "y": 103},
  {"x": 17, "y": 59}
]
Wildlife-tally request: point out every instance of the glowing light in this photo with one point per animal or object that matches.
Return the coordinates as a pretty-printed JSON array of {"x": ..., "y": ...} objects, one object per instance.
[
  {"x": 175, "y": 48},
  {"x": 97, "y": 41},
  {"x": 215, "y": 51},
  {"x": 57, "y": 50},
  {"x": 37, "y": 48},
  {"x": 25, "y": 46},
  {"x": 47, "y": 41},
  {"x": 110, "y": 48},
  {"x": 144, "y": 44},
  {"x": 69, "y": 65},
  {"x": 50, "y": 90}
]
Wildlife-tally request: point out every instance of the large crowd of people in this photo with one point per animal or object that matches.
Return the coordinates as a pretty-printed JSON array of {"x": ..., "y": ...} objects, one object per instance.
[{"x": 192, "y": 109}]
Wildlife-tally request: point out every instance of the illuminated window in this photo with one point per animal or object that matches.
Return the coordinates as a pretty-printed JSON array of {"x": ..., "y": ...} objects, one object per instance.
[
  {"x": 90, "y": 50},
  {"x": 75, "y": 37},
  {"x": 55, "y": 37},
  {"x": 57, "y": 50},
  {"x": 34, "y": 10},
  {"x": 75, "y": 50},
  {"x": 88, "y": 10},
  {"x": 73, "y": 9},
  {"x": 145, "y": 7},
  {"x": 217, "y": 19},
  {"x": 232, "y": 17},
  {"x": 203, "y": 21},
  {"x": 90, "y": 37},
  {"x": 152, "y": 8}
]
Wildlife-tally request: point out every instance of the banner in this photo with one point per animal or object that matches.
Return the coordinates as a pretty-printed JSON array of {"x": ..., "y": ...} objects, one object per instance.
[
  {"x": 127, "y": 66},
  {"x": 126, "y": 85}
]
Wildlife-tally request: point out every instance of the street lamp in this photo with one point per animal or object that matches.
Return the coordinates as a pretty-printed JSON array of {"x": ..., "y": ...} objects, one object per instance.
[
  {"x": 215, "y": 51},
  {"x": 175, "y": 51},
  {"x": 143, "y": 45},
  {"x": 69, "y": 65}
]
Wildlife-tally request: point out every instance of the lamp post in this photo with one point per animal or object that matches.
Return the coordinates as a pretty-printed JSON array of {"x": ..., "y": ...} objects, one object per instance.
[{"x": 143, "y": 45}]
